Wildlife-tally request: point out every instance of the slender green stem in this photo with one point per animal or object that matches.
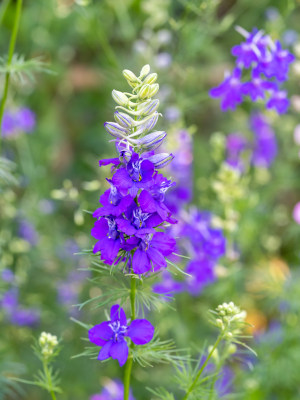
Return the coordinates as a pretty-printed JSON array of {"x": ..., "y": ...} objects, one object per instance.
[
  {"x": 128, "y": 367},
  {"x": 48, "y": 375},
  {"x": 11, "y": 50},
  {"x": 191, "y": 388}
]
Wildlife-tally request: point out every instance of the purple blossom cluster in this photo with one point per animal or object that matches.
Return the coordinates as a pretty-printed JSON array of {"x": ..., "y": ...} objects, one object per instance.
[
  {"x": 18, "y": 121},
  {"x": 113, "y": 390},
  {"x": 133, "y": 211},
  {"x": 27, "y": 231},
  {"x": 204, "y": 245},
  {"x": 263, "y": 148},
  {"x": 111, "y": 335},
  {"x": 9, "y": 302},
  {"x": 199, "y": 241},
  {"x": 265, "y": 65}
]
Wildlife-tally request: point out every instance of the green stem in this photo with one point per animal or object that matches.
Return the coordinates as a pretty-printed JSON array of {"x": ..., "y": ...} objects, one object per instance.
[
  {"x": 11, "y": 50},
  {"x": 128, "y": 367},
  {"x": 191, "y": 388},
  {"x": 48, "y": 375}
]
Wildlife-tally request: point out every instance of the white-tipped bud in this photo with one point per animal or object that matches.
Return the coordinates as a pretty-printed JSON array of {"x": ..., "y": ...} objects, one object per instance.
[
  {"x": 123, "y": 119},
  {"x": 161, "y": 160},
  {"x": 144, "y": 92},
  {"x": 130, "y": 76},
  {"x": 150, "y": 79},
  {"x": 149, "y": 107},
  {"x": 120, "y": 98},
  {"x": 153, "y": 89},
  {"x": 115, "y": 129},
  {"x": 151, "y": 141},
  {"x": 144, "y": 71}
]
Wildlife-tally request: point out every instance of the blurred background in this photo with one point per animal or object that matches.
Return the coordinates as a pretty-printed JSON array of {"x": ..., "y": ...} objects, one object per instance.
[{"x": 53, "y": 131}]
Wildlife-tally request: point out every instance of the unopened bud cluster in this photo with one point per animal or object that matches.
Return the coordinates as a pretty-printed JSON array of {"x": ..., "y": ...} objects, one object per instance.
[
  {"x": 230, "y": 319},
  {"x": 47, "y": 343},
  {"x": 136, "y": 115}
]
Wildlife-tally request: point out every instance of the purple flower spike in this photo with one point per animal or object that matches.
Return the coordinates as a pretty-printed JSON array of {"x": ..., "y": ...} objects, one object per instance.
[
  {"x": 230, "y": 91},
  {"x": 110, "y": 335}
]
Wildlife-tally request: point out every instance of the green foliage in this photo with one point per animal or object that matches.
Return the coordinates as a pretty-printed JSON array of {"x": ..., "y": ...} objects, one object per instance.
[
  {"x": 22, "y": 70},
  {"x": 6, "y": 172},
  {"x": 158, "y": 351}
]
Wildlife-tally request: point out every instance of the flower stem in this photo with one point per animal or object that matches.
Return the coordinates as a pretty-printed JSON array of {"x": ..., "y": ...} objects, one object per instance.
[
  {"x": 190, "y": 389},
  {"x": 128, "y": 367},
  {"x": 11, "y": 50},
  {"x": 48, "y": 375}
]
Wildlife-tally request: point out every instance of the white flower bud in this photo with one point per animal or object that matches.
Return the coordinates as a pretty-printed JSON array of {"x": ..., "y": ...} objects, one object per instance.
[
  {"x": 150, "y": 79},
  {"x": 144, "y": 71},
  {"x": 120, "y": 98}
]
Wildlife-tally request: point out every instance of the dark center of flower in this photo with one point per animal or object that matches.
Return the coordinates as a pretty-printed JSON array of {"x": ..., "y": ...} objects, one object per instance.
[
  {"x": 112, "y": 228},
  {"x": 139, "y": 218},
  {"x": 119, "y": 330}
]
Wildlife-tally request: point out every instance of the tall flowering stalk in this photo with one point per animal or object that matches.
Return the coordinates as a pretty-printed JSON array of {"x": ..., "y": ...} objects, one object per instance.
[{"x": 132, "y": 217}]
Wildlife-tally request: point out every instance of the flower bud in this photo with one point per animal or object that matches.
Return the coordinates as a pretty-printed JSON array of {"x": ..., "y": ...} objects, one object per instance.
[
  {"x": 161, "y": 160},
  {"x": 120, "y": 98},
  {"x": 115, "y": 129},
  {"x": 150, "y": 79},
  {"x": 130, "y": 76},
  {"x": 144, "y": 71},
  {"x": 123, "y": 119},
  {"x": 148, "y": 125},
  {"x": 151, "y": 141},
  {"x": 149, "y": 107},
  {"x": 153, "y": 90},
  {"x": 144, "y": 92}
]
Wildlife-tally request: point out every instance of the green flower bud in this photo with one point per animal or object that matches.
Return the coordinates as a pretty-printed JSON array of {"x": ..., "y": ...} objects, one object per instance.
[
  {"x": 144, "y": 71},
  {"x": 150, "y": 79},
  {"x": 120, "y": 98}
]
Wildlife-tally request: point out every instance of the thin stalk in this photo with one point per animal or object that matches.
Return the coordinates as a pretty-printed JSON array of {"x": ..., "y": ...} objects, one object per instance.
[
  {"x": 128, "y": 367},
  {"x": 48, "y": 375},
  {"x": 11, "y": 50},
  {"x": 191, "y": 388}
]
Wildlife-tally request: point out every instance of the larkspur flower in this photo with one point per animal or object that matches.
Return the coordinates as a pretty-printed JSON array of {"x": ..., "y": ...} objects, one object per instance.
[
  {"x": 113, "y": 390},
  {"x": 230, "y": 90},
  {"x": 269, "y": 64},
  {"x": 15, "y": 122},
  {"x": 111, "y": 335},
  {"x": 265, "y": 144},
  {"x": 133, "y": 208}
]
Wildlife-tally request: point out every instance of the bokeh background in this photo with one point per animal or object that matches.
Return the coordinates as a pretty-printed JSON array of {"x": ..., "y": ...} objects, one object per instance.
[{"x": 43, "y": 223}]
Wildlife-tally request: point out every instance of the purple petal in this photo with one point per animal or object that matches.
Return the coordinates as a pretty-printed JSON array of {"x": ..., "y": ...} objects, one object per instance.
[
  {"x": 147, "y": 202},
  {"x": 108, "y": 161},
  {"x": 141, "y": 331},
  {"x": 100, "y": 334},
  {"x": 100, "y": 229},
  {"x": 119, "y": 351},
  {"x": 157, "y": 258},
  {"x": 117, "y": 314},
  {"x": 140, "y": 262},
  {"x": 104, "y": 353}
]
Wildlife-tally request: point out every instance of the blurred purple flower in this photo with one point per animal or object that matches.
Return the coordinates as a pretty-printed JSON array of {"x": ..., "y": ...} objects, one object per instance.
[
  {"x": 172, "y": 114},
  {"x": 265, "y": 144},
  {"x": 230, "y": 90},
  {"x": 113, "y": 390},
  {"x": 18, "y": 121},
  {"x": 7, "y": 275},
  {"x": 296, "y": 213},
  {"x": 163, "y": 60},
  {"x": 28, "y": 232}
]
